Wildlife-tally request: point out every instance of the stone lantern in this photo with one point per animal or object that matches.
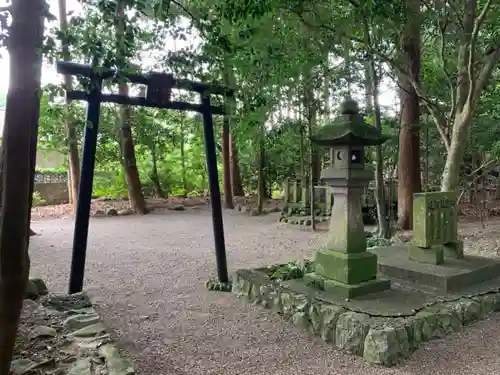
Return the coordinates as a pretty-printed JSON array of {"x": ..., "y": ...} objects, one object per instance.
[{"x": 343, "y": 266}]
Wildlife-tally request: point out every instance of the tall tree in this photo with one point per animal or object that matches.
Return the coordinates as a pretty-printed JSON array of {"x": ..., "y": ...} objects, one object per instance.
[
  {"x": 311, "y": 114},
  {"x": 474, "y": 74},
  {"x": 236, "y": 182},
  {"x": 373, "y": 108},
  {"x": 226, "y": 143},
  {"x": 69, "y": 123},
  {"x": 135, "y": 194},
  {"x": 409, "y": 180},
  {"x": 19, "y": 144}
]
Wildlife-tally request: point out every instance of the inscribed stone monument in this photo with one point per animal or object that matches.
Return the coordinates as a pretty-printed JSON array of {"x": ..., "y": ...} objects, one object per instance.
[{"x": 435, "y": 228}]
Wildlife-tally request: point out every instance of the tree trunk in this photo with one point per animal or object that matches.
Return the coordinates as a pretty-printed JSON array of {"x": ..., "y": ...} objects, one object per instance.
[
  {"x": 183, "y": 161},
  {"x": 326, "y": 87},
  {"x": 71, "y": 197},
  {"x": 19, "y": 150},
  {"x": 311, "y": 115},
  {"x": 261, "y": 174},
  {"x": 69, "y": 125},
  {"x": 135, "y": 195},
  {"x": 226, "y": 133},
  {"x": 497, "y": 189},
  {"x": 302, "y": 165},
  {"x": 409, "y": 179},
  {"x": 226, "y": 163},
  {"x": 236, "y": 182},
  {"x": 234, "y": 167},
  {"x": 153, "y": 176},
  {"x": 373, "y": 107},
  {"x": 451, "y": 172},
  {"x": 312, "y": 197}
]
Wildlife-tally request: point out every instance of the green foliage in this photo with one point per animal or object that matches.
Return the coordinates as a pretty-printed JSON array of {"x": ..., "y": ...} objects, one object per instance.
[
  {"x": 373, "y": 240},
  {"x": 38, "y": 200},
  {"x": 52, "y": 170},
  {"x": 270, "y": 52},
  {"x": 289, "y": 271}
]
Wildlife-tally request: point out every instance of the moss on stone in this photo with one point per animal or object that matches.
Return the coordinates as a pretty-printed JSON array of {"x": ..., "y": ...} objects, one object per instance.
[{"x": 215, "y": 285}]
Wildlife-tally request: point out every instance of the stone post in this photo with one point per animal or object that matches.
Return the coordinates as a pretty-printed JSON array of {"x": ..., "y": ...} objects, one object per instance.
[
  {"x": 328, "y": 200},
  {"x": 286, "y": 191},
  {"x": 295, "y": 191},
  {"x": 305, "y": 198}
]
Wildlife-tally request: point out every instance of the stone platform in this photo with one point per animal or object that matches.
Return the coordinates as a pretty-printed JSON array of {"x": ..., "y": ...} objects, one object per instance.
[
  {"x": 470, "y": 275},
  {"x": 383, "y": 328}
]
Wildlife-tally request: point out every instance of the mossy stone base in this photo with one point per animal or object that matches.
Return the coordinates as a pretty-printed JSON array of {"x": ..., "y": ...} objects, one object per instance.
[
  {"x": 454, "y": 250},
  {"x": 431, "y": 255},
  {"x": 314, "y": 280},
  {"x": 356, "y": 290},
  {"x": 346, "y": 268}
]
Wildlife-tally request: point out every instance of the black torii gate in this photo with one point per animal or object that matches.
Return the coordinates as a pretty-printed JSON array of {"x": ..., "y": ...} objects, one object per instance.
[{"x": 159, "y": 90}]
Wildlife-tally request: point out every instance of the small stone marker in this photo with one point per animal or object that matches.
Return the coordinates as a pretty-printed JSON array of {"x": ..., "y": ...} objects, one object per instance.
[
  {"x": 343, "y": 266},
  {"x": 435, "y": 233}
]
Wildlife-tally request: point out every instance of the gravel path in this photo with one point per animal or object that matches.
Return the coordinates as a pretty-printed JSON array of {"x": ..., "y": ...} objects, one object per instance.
[{"x": 148, "y": 273}]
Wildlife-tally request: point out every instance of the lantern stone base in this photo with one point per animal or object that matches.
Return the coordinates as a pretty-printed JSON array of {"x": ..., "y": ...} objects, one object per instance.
[
  {"x": 347, "y": 290},
  {"x": 347, "y": 275},
  {"x": 347, "y": 268}
]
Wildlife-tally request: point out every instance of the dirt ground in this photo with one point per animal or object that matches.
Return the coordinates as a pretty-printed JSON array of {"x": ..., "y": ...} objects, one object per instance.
[
  {"x": 100, "y": 206},
  {"x": 148, "y": 274}
]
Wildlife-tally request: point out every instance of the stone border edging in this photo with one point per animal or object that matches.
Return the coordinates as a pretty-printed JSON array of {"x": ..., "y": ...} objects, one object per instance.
[
  {"x": 82, "y": 338},
  {"x": 379, "y": 340}
]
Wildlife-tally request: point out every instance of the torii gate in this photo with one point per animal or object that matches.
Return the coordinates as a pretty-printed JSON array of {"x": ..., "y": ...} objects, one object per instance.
[{"x": 159, "y": 90}]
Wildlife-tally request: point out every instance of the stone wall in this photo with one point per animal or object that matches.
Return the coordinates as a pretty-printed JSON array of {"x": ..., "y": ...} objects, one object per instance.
[
  {"x": 384, "y": 339},
  {"x": 52, "y": 192}
]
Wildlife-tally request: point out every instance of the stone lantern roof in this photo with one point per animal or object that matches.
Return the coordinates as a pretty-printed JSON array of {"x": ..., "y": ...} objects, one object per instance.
[{"x": 348, "y": 129}]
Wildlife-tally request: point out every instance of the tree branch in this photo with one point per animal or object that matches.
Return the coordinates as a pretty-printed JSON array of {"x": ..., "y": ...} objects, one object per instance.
[
  {"x": 7, "y": 8},
  {"x": 437, "y": 115},
  {"x": 453, "y": 98},
  {"x": 470, "y": 183},
  {"x": 433, "y": 108},
  {"x": 458, "y": 13},
  {"x": 194, "y": 19},
  {"x": 484, "y": 76},
  {"x": 472, "y": 49}
]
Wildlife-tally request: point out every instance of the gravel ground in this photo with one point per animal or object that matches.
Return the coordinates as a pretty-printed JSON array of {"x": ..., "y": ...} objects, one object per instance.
[{"x": 148, "y": 274}]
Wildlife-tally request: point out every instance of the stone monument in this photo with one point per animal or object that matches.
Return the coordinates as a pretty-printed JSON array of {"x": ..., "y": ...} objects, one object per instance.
[
  {"x": 435, "y": 234},
  {"x": 344, "y": 266}
]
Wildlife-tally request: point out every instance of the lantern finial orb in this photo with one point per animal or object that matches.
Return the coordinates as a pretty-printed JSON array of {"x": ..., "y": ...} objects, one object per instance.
[{"x": 349, "y": 107}]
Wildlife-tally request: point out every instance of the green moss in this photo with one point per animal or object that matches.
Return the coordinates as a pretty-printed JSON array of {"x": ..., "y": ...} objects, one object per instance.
[
  {"x": 289, "y": 271},
  {"x": 215, "y": 285}
]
